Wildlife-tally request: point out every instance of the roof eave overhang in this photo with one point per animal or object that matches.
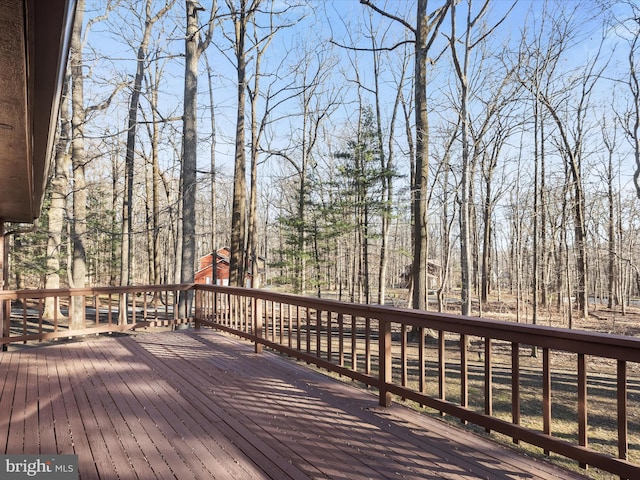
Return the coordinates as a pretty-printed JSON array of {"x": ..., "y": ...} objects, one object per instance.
[{"x": 34, "y": 39}]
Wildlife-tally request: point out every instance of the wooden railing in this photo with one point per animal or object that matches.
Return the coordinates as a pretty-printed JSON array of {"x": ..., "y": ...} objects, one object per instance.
[
  {"x": 97, "y": 310},
  {"x": 573, "y": 393},
  {"x": 539, "y": 385}
]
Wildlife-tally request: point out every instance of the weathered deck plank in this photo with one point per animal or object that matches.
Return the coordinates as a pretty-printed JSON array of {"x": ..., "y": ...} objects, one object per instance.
[{"x": 198, "y": 404}]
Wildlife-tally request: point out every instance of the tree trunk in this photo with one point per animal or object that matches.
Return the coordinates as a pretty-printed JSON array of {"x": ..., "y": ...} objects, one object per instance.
[
  {"x": 189, "y": 156},
  {"x": 212, "y": 153},
  {"x": 237, "y": 267},
  {"x": 59, "y": 188},
  {"x": 79, "y": 221},
  {"x": 419, "y": 201}
]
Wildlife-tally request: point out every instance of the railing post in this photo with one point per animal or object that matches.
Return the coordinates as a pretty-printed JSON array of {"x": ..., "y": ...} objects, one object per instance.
[
  {"x": 623, "y": 429},
  {"x": 257, "y": 323},
  {"x": 122, "y": 312},
  {"x": 384, "y": 353},
  {"x": 5, "y": 305},
  {"x": 5, "y": 316},
  {"x": 214, "y": 313},
  {"x": 198, "y": 308}
]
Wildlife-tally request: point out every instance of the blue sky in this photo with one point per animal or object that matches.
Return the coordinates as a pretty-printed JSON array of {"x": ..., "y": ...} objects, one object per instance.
[{"x": 343, "y": 21}]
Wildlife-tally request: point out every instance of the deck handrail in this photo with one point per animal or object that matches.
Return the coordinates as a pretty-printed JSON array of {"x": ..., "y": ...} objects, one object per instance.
[
  {"x": 327, "y": 332},
  {"x": 124, "y": 308},
  {"x": 388, "y": 348}
]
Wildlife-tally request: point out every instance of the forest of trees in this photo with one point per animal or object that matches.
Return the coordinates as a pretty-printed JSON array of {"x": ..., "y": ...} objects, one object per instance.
[{"x": 426, "y": 153}]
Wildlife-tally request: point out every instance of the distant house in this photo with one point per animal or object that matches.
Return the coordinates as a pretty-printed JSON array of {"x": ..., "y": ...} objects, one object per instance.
[
  {"x": 433, "y": 275},
  {"x": 214, "y": 272},
  {"x": 213, "y": 269}
]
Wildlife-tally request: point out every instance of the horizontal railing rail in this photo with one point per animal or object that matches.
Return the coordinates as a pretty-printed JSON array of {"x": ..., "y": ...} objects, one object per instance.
[{"x": 504, "y": 377}]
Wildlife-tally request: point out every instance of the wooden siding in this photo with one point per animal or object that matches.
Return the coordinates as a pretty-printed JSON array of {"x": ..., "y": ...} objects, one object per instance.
[{"x": 198, "y": 404}]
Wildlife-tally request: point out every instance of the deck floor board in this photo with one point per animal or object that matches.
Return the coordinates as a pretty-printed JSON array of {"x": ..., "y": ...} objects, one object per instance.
[{"x": 199, "y": 404}]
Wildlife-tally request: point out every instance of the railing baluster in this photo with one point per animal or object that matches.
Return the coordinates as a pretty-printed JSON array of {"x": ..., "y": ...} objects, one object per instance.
[
  {"x": 133, "y": 308},
  {"x": 24, "y": 319},
  {"x": 56, "y": 306},
  {"x": 109, "y": 311},
  {"x": 281, "y": 322},
  {"x": 289, "y": 326},
  {"x": 341, "y": 339},
  {"x": 421, "y": 360},
  {"x": 403, "y": 355},
  {"x": 318, "y": 333},
  {"x": 176, "y": 313},
  {"x": 623, "y": 429},
  {"x": 441, "y": 367},
  {"x": 273, "y": 320},
  {"x": 329, "y": 336},
  {"x": 582, "y": 403},
  {"x": 385, "y": 370},
  {"x": 354, "y": 343},
  {"x": 40, "y": 310},
  {"x": 215, "y": 315},
  {"x": 464, "y": 372},
  {"x": 515, "y": 386},
  {"x": 257, "y": 320},
  {"x": 308, "y": 328},
  {"x": 84, "y": 311},
  {"x": 546, "y": 393},
  {"x": 298, "y": 339},
  {"x": 229, "y": 312},
  {"x": 488, "y": 378},
  {"x": 247, "y": 308},
  {"x": 199, "y": 308},
  {"x": 367, "y": 346},
  {"x": 145, "y": 302},
  {"x": 5, "y": 314}
]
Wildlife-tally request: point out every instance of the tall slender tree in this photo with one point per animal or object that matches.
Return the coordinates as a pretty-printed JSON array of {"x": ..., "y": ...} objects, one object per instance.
[
  {"x": 241, "y": 13},
  {"x": 59, "y": 185},
  {"x": 194, "y": 46},
  {"x": 425, "y": 32},
  {"x": 462, "y": 65},
  {"x": 78, "y": 266},
  {"x": 148, "y": 20}
]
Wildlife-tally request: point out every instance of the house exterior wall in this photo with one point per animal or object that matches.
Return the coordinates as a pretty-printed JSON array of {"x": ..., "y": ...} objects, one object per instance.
[{"x": 205, "y": 274}]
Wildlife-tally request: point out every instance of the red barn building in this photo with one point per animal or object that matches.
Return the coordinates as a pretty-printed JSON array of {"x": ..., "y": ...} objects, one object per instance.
[
  {"x": 217, "y": 272},
  {"x": 214, "y": 272}
]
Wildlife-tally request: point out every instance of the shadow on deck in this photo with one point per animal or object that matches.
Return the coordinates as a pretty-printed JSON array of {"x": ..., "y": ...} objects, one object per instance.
[{"x": 198, "y": 404}]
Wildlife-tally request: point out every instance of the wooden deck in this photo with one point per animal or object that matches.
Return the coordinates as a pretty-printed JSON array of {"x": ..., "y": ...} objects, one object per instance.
[{"x": 197, "y": 404}]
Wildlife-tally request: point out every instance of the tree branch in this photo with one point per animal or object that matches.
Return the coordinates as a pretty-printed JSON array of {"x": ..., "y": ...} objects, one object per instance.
[
  {"x": 378, "y": 49},
  {"x": 388, "y": 15}
]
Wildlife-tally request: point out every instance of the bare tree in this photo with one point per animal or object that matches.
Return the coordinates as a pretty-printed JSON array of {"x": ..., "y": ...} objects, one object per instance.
[
  {"x": 462, "y": 66},
  {"x": 566, "y": 96},
  {"x": 147, "y": 20},
  {"x": 194, "y": 46},
  {"x": 387, "y": 159},
  {"x": 316, "y": 104},
  {"x": 78, "y": 270},
  {"x": 80, "y": 112},
  {"x": 631, "y": 118},
  {"x": 609, "y": 138},
  {"x": 241, "y": 14},
  {"x": 59, "y": 185},
  {"x": 212, "y": 165},
  {"x": 425, "y": 32},
  {"x": 274, "y": 96}
]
